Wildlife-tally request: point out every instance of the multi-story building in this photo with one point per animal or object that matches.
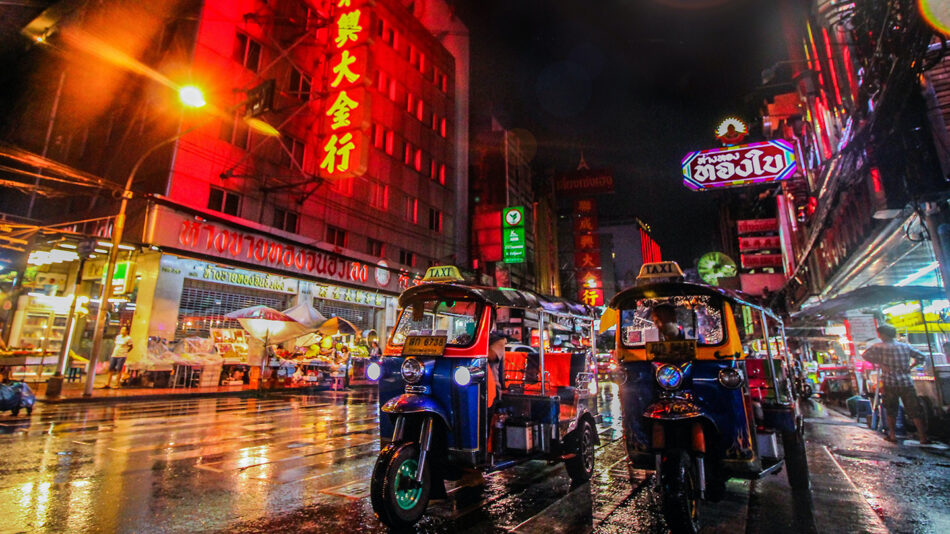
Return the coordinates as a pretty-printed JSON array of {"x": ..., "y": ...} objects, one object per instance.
[{"x": 329, "y": 166}]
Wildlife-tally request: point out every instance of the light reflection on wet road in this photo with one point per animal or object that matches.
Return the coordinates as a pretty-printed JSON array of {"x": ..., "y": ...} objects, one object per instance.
[{"x": 300, "y": 463}]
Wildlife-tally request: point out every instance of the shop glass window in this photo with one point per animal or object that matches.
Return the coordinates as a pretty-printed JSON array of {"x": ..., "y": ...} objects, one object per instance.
[
  {"x": 224, "y": 201},
  {"x": 380, "y": 196},
  {"x": 376, "y": 248},
  {"x": 407, "y": 258},
  {"x": 336, "y": 236},
  {"x": 412, "y": 209},
  {"x": 247, "y": 52},
  {"x": 285, "y": 220},
  {"x": 299, "y": 84},
  {"x": 696, "y": 317},
  {"x": 454, "y": 319},
  {"x": 435, "y": 220}
]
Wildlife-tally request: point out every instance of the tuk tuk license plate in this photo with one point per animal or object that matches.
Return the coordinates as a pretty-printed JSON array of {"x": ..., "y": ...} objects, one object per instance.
[
  {"x": 424, "y": 346},
  {"x": 668, "y": 351}
]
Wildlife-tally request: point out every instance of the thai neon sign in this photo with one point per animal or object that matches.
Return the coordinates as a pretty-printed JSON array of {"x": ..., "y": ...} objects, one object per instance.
[
  {"x": 740, "y": 165},
  {"x": 344, "y": 151}
]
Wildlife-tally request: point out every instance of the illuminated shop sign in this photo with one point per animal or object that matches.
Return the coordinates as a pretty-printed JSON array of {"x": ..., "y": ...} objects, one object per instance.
[
  {"x": 344, "y": 148},
  {"x": 740, "y": 165},
  {"x": 237, "y": 277},
  {"x": 182, "y": 232}
]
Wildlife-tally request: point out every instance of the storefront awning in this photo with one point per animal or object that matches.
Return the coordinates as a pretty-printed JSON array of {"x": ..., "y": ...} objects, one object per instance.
[{"x": 869, "y": 297}]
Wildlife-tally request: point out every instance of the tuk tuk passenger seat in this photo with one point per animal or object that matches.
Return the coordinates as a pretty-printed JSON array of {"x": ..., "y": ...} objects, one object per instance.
[{"x": 760, "y": 380}]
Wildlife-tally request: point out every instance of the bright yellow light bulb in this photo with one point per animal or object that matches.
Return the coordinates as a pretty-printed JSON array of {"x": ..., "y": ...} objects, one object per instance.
[{"x": 191, "y": 96}]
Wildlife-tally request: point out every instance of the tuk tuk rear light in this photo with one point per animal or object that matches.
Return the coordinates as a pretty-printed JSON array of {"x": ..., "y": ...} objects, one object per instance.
[
  {"x": 373, "y": 371},
  {"x": 412, "y": 370},
  {"x": 659, "y": 436},
  {"x": 730, "y": 378},
  {"x": 669, "y": 377}
]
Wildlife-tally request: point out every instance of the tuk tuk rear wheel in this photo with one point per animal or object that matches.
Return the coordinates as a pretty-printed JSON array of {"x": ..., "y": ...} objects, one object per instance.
[
  {"x": 679, "y": 492},
  {"x": 580, "y": 467},
  {"x": 796, "y": 460},
  {"x": 398, "y": 500}
]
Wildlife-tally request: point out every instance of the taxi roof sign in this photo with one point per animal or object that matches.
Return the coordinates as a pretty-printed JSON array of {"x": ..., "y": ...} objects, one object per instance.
[
  {"x": 443, "y": 273},
  {"x": 660, "y": 269}
]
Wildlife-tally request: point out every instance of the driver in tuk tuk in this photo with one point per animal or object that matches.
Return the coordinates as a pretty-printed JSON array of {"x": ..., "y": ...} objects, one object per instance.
[
  {"x": 664, "y": 317},
  {"x": 496, "y": 353}
]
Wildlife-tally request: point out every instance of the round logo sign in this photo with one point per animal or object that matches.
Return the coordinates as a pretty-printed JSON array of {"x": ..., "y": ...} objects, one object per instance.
[
  {"x": 513, "y": 217},
  {"x": 382, "y": 274}
]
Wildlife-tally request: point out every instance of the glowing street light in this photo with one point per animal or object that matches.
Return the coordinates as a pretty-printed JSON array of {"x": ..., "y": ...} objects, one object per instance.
[{"x": 191, "y": 96}]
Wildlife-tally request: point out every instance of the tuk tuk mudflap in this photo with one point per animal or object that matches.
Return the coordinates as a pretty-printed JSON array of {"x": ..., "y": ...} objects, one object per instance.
[{"x": 412, "y": 403}]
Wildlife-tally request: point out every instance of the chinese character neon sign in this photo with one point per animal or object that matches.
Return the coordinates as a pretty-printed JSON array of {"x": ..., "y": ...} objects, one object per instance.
[{"x": 344, "y": 152}]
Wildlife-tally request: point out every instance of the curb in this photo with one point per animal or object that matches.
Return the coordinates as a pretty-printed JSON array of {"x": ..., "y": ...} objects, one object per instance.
[{"x": 176, "y": 396}]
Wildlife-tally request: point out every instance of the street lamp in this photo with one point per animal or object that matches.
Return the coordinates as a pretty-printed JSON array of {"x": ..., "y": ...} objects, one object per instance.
[{"x": 191, "y": 96}]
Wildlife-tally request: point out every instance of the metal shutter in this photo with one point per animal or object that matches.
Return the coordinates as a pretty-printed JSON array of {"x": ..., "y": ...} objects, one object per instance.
[{"x": 204, "y": 305}]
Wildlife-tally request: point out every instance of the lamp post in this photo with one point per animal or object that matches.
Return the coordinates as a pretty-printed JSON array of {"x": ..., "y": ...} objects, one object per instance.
[{"x": 191, "y": 97}]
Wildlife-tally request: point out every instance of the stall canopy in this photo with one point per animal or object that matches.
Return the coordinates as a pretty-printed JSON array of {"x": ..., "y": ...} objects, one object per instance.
[
  {"x": 338, "y": 325},
  {"x": 268, "y": 324},
  {"x": 306, "y": 315},
  {"x": 869, "y": 297}
]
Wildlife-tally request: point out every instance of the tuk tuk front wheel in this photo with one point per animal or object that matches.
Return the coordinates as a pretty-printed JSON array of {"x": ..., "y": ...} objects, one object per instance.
[
  {"x": 679, "y": 492},
  {"x": 796, "y": 460},
  {"x": 398, "y": 500},
  {"x": 580, "y": 467}
]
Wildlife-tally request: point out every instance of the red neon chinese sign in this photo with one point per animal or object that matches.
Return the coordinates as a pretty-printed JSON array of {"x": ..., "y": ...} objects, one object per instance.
[{"x": 344, "y": 149}]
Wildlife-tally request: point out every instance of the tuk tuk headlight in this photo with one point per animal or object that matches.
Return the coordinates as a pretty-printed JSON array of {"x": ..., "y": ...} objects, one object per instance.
[
  {"x": 373, "y": 371},
  {"x": 412, "y": 370},
  {"x": 669, "y": 376},
  {"x": 462, "y": 376},
  {"x": 730, "y": 378}
]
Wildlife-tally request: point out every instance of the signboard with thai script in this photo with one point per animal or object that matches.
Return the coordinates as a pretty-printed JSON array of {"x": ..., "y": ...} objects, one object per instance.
[
  {"x": 174, "y": 230},
  {"x": 757, "y": 261},
  {"x": 752, "y": 226},
  {"x": 199, "y": 270},
  {"x": 769, "y": 242},
  {"x": 585, "y": 183},
  {"x": 740, "y": 165}
]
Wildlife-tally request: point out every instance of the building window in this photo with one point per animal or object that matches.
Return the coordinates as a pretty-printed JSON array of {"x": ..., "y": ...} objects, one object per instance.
[
  {"x": 410, "y": 102},
  {"x": 442, "y": 173},
  {"x": 390, "y": 142},
  {"x": 435, "y": 220},
  {"x": 299, "y": 85},
  {"x": 376, "y": 248},
  {"x": 247, "y": 52},
  {"x": 294, "y": 152},
  {"x": 407, "y": 258},
  {"x": 418, "y": 160},
  {"x": 392, "y": 90},
  {"x": 443, "y": 127},
  {"x": 382, "y": 81},
  {"x": 224, "y": 201},
  {"x": 407, "y": 153},
  {"x": 336, "y": 236},
  {"x": 444, "y": 83},
  {"x": 343, "y": 188},
  {"x": 285, "y": 220},
  {"x": 380, "y": 196},
  {"x": 379, "y": 136},
  {"x": 420, "y": 110},
  {"x": 422, "y": 63},
  {"x": 236, "y": 132},
  {"x": 412, "y": 209},
  {"x": 433, "y": 169}
]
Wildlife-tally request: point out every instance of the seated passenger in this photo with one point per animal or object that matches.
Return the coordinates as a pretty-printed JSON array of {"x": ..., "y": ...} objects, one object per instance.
[{"x": 664, "y": 317}]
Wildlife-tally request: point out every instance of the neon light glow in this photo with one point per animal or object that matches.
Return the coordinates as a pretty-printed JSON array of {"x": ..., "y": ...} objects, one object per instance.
[
  {"x": 739, "y": 165},
  {"x": 831, "y": 66}
]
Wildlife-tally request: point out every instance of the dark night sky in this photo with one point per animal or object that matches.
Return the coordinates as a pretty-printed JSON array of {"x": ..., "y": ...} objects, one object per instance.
[{"x": 636, "y": 83}]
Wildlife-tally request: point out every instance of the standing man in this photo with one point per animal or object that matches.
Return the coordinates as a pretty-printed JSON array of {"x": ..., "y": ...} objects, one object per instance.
[
  {"x": 496, "y": 353},
  {"x": 123, "y": 346},
  {"x": 895, "y": 360}
]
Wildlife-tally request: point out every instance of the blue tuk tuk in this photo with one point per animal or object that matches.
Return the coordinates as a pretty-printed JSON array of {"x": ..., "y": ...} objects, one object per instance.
[
  {"x": 706, "y": 390},
  {"x": 439, "y": 411}
]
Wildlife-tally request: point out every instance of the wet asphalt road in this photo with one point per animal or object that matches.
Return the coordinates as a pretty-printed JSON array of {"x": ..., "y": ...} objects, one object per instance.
[{"x": 302, "y": 463}]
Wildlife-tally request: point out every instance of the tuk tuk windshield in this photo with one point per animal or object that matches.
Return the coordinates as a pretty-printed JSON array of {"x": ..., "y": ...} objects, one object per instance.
[
  {"x": 455, "y": 319},
  {"x": 696, "y": 317}
]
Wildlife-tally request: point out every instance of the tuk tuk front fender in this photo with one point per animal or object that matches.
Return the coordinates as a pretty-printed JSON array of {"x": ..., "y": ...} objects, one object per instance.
[
  {"x": 409, "y": 403},
  {"x": 673, "y": 410}
]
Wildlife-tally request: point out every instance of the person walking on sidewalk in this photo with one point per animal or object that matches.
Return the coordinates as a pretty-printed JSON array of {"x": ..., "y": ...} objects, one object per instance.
[
  {"x": 123, "y": 346},
  {"x": 895, "y": 360}
]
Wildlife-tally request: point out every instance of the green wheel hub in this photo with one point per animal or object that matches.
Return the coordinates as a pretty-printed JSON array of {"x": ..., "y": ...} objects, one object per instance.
[{"x": 406, "y": 490}]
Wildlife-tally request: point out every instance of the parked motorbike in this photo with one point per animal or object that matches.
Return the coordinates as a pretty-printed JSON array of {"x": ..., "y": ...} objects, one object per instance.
[{"x": 16, "y": 396}]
